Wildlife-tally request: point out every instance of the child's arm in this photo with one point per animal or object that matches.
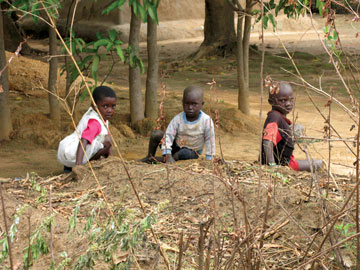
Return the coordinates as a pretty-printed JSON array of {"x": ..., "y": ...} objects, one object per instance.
[
  {"x": 209, "y": 139},
  {"x": 80, "y": 151},
  {"x": 169, "y": 136},
  {"x": 269, "y": 152}
]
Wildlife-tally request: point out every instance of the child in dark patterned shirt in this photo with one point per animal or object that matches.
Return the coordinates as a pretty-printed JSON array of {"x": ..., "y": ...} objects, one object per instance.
[{"x": 277, "y": 142}]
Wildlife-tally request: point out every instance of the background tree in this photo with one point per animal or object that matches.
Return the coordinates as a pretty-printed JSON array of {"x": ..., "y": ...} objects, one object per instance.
[
  {"x": 13, "y": 34},
  {"x": 219, "y": 31},
  {"x": 53, "y": 70},
  {"x": 151, "y": 106},
  {"x": 136, "y": 105},
  {"x": 220, "y": 38},
  {"x": 242, "y": 51},
  {"x": 5, "y": 117}
]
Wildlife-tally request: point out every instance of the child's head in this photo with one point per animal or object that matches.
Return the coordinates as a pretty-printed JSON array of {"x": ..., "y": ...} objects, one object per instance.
[
  {"x": 105, "y": 99},
  {"x": 193, "y": 100},
  {"x": 281, "y": 98}
]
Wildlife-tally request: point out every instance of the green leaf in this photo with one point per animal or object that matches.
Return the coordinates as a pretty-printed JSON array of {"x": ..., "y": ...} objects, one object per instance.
[
  {"x": 153, "y": 14},
  {"x": 112, "y": 35},
  {"x": 118, "y": 42},
  {"x": 134, "y": 5},
  {"x": 142, "y": 67},
  {"x": 335, "y": 36},
  {"x": 120, "y": 3},
  {"x": 101, "y": 42},
  {"x": 320, "y": 4},
  {"x": 109, "y": 46},
  {"x": 326, "y": 29},
  {"x": 142, "y": 13},
  {"x": 94, "y": 67},
  {"x": 99, "y": 35},
  {"x": 272, "y": 20},
  {"x": 120, "y": 53},
  {"x": 266, "y": 19},
  {"x": 109, "y": 8},
  {"x": 279, "y": 6}
]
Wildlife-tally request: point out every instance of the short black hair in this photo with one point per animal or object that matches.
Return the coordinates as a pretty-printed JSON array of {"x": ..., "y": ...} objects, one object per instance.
[
  {"x": 102, "y": 91},
  {"x": 275, "y": 89},
  {"x": 193, "y": 88}
]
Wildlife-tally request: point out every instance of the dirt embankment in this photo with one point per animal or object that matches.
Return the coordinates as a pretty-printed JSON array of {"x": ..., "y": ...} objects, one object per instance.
[{"x": 182, "y": 198}]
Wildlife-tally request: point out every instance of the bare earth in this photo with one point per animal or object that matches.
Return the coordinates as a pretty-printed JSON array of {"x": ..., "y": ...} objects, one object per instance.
[
  {"x": 185, "y": 195},
  {"x": 34, "y": 145}
]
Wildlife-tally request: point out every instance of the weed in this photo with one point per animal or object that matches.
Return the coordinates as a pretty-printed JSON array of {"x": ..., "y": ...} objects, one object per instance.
[
  {"x": 12, "y": 233},
  {"x": 344, "y": 230}
]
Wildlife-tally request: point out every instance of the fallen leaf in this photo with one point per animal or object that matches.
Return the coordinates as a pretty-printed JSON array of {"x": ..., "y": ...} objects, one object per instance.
[
  {"x": 120, "y": 257},
  {"x": 347, "y": 261},
  {"x": 167, "y": 247}
]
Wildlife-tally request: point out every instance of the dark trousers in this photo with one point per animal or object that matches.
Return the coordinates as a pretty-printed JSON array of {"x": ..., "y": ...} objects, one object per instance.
[{"x": 183, "y": 153}]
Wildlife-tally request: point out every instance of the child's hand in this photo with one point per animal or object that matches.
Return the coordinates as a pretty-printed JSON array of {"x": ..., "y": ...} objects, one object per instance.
[
  {"x": 107, "y": 141},
  {"x": 170, "y": 159},
  {"x": 79, "y": 171}
]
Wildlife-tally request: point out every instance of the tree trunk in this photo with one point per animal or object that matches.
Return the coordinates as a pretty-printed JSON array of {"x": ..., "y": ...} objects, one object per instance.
[
  {"x": 5, "y": 116},
  {"x": 13, "y": 35},
  {"x": 243, "y": 92},
  {"x": 246, "y": 41},
  {"x": 243, "y": 43},
  {"x": 219, "y": 30},
  {"x": 53, "y": 101},
  {"x": 151, "y": 108},
  {"x": 136, "y": 106}
]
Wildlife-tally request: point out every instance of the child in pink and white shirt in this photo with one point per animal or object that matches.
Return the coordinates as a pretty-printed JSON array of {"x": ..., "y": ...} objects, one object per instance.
[{"x": 92, "y": 130}]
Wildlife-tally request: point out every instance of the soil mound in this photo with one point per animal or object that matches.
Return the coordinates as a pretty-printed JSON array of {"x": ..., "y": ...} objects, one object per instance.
[
  {"x": 29, "y": 76},
  {"x": 182, "y": 198}
]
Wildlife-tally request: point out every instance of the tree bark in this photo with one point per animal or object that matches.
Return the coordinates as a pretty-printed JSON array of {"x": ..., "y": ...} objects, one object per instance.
[
  {"x": 136, "y": 105},
  {"x": 5, "y": 116},
  {"x": 219, "y": 30},
  {"x": 151, "y": 108},
  {"x": 243, "y": 44},
  {"x": 13, "y": 35},
  {"x": 53, "y": 101},
  {"x": 243, "y": 95},
  {"x": 66, "y": 57}
]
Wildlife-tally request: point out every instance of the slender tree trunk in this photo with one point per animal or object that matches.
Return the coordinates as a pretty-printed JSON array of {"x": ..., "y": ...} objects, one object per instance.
[
  {"x": 53, "y": 101},
  {"x": 243, "y": 43},
  {"x": 152, "y": 72},
  {"x": 242, "y": 65},
  {"x": 136, "y": 105},
  {"x": 246, "y": 42},
  {"x": 66, "y": 57},
  {"x": 5, "y": 116}
]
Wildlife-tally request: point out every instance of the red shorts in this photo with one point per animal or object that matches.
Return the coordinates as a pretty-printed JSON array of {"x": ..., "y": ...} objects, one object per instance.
[{"x": 293, "y": 164}]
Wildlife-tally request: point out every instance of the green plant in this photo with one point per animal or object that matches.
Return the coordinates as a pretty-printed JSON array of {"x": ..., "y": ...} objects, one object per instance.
[
  {"x": 279, "y": 175},
  {"x": 345, "y": 231},
  {"x": 106, "y": 240},
  {"x": 12, "y": 233},
  {"x": 38, "y": 243},
  {"x": 39, "y": 188}
]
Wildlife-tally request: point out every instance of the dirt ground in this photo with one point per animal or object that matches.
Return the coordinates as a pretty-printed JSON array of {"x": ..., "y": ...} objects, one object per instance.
[
  {"x": 33, "y": 147},
  {"x": 181, "y": 198},
  {"x": 184, "y": 195}
]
